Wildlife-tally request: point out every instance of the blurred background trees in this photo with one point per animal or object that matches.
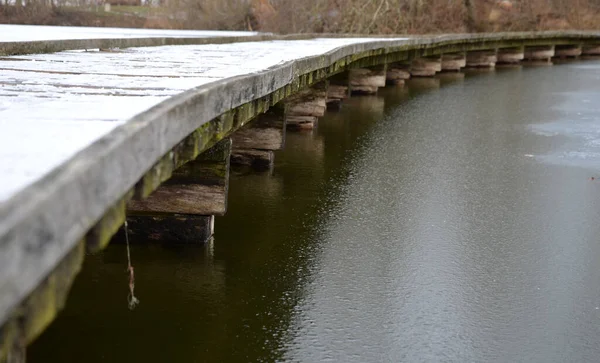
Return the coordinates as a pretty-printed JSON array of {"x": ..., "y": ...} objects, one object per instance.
[{"x": 310, "y": 16}]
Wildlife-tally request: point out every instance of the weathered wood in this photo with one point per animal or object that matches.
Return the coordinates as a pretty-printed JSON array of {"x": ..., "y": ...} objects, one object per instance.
[
  {"x": 301, "y": 122},
  {"x": 367, "y": 80},
  {"x": 397, "y": 74},
  {"x": 257, "y": 159},
  {"x": 266, "y": 132},
  {"x": 303, "y": 109},
  {"x": 336, "y": 92},
  {"x": 173, "y": 229},
  {"x": 591, "y": 49},
  {"x": 568, "y": 51},
  {"x": 195, "y": 199},
  {"x": 197, "y": 188},
  {"x": 510, "y": 55},
  {"x": 482, "y": 58},
  {"x": 308, "y": 102},
  {"x": 315, "y": 108},
  {"x": 426, "y": 67},
  {"x": 536, "y": 53},
  {"x": 453, "y": 62}
]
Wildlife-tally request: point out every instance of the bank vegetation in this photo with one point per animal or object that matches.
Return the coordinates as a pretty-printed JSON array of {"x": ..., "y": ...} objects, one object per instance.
[{"x": 313, "y": 16}]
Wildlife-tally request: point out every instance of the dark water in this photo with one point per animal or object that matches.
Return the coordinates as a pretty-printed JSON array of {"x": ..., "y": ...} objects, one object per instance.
[{"x": 453, "y": 220}]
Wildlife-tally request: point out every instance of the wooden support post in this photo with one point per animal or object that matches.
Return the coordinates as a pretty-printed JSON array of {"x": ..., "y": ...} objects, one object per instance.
[
  {"x": 568, "y": 51},
  {"x": 182, "y": 209},
  {"x": 453, "y": 62},
  {"x": 539, "y": 53},
  {"x": 426, "y": 67},
  {"x": 303, "y": 109},
  {"x": 592, "y": 49},
  {"x": 482, "y": 59},
  {"x": 510, "y": 55},
  {"x": 172, "y": 229},
  {"x": 338, "y": 90},
  {"x": 397, "y": 74},
  {"x": 367, "y": 80},
  {"x": 254, "y": 143}
]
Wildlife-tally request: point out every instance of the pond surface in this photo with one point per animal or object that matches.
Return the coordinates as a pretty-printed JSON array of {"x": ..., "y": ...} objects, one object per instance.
[{"x": 455, "y": 219}]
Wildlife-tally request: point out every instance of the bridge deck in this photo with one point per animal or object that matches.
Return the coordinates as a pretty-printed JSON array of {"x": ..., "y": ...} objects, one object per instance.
[{"x": 54, "y": 105}]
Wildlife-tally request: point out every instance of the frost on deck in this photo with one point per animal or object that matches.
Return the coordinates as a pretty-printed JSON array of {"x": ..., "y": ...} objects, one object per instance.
[
  {"x": 25, "y": 33},
  {"x": 54, "y": 105}
]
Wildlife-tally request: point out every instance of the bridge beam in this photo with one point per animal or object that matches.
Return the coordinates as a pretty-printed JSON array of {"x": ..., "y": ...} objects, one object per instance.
[
  {"x": 453, "y": 62},
  {"x": 367, "y": 80},
  {"x": 482, "y": 59},
  {"x": 182, "y": 209},
  {"x": 510, "y": 55},
  {"x": 302, "y": 110},
  {"x": 539, "y": 53},
  {"x": 254, "y": 143},
  {"x": 426, "y": 66},
  {"x": 397, "y": 74}
]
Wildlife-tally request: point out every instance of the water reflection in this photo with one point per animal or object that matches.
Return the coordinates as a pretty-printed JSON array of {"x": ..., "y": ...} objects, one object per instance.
[{"x": 463, "y": 249}]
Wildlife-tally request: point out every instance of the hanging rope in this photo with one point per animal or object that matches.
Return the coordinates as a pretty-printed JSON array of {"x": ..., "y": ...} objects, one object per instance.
[{"x": 132, "y": 301}]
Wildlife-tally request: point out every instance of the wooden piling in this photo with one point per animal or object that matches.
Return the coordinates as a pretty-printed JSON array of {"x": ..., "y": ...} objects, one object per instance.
[
  {"x": 482, "y": 59},
  {"x": 397, "y": 74},
  {"x": 592, "y": 49},
  {"x": 510, "y": 55},
  {"x": 426, "y": 67},
  {"x": 453, "y": 62},
  {"x": 253, "y": 144},
  {"x": 304, "y": 108},
  {"x": 367, "y": 80},
  {"x": 338, "y": 90},
  {"x": 568, "y": 51},
  {"x": 539, "y": 53},
  {"x": 196, "y": 192}
]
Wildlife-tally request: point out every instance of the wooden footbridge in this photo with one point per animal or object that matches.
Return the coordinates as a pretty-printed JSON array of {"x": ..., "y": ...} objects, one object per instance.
[{"x": 102, "y": 126}]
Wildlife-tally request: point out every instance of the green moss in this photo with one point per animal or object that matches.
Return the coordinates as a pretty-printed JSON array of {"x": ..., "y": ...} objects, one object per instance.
[
  {"x": 10, "y": 334},
  {"x": 40, "y": 308},
  {"x": 99, "y": 236},
  {"x": 160, "y": 172}
]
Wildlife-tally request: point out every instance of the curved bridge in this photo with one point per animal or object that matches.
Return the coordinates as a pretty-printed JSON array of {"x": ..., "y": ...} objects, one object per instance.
[{"x": 88, "y": 137}]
